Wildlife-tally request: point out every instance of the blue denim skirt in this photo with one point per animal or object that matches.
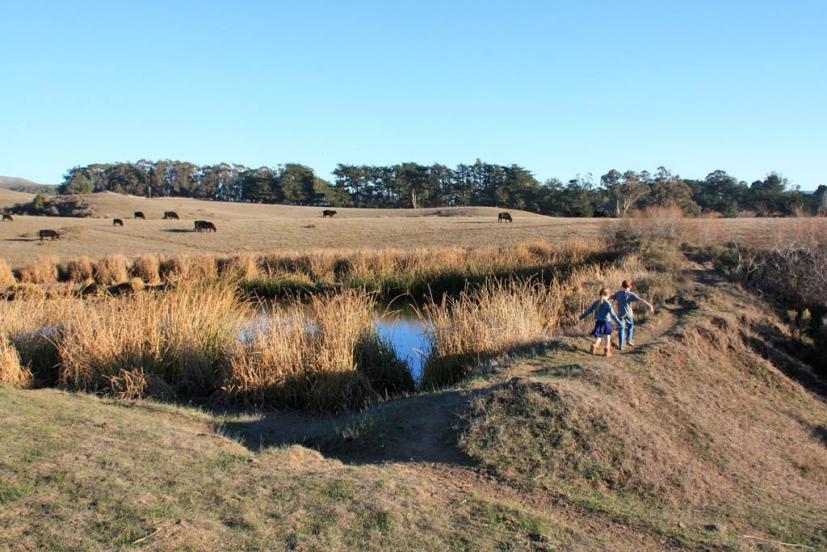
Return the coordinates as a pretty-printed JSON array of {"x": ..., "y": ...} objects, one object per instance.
[{"x": 602, "y": 328}]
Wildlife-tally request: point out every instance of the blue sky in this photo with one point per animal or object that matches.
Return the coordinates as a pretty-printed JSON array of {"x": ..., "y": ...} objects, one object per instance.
[{"x": 560, "y": 87}]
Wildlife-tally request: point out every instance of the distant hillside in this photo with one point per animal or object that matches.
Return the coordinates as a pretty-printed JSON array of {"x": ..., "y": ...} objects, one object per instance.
[
  {"x": 11, "y": 197},
  {"x": 24, "y": 185}
]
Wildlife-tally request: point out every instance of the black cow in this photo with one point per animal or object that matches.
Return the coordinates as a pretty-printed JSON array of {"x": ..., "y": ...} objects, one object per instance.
[
  {"x": 205, "y": 226},
  {"x": 139, "y": 215},
  {"x": 328, "y": 213},
  {"x": 7, "y": 217},
  {"x": 504, "y": 217},
  {"x": 117, "y": 222},
  {"x": 170, "y": 215},
  {"x": 49, "y": 234}
]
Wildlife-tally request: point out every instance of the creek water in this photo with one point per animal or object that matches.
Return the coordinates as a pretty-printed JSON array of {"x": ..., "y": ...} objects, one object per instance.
[{"x": 408, "y": 335}]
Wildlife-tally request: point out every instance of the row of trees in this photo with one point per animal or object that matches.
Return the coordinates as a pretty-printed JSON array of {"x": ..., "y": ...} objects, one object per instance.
[{"x": 413, "y": 185}]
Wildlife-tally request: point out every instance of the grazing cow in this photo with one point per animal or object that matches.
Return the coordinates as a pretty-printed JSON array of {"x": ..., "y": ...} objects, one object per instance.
[
  {"x": 328, "y": 213},
  {"x": 139, "y": 215},
  {"x": 117, "y": 222},
  {"x": 7, "y": 217},
  {"x": 49, "y": 234},
  {"x": 504, "y": 217},
  {"x": 205, "y": 226},
  {"x": 170, "y": 215}
]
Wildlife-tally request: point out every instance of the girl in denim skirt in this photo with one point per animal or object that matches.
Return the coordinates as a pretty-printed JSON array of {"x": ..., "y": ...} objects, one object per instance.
[{"x": 603, "y": 316}]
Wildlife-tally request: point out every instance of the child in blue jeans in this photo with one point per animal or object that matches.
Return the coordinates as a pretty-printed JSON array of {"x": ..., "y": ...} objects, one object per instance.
[
  {"x": 603, "y": 315},
  {"x": 625, "y": 297}
]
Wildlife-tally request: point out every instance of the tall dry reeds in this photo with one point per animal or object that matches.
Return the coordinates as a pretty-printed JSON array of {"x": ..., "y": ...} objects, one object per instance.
[
  {"x": 147, "y": 268},
  {"x": 33, "y": 325},
  {"x": 43, "y": 270},
  {"x": 309, "y": 356},
  {"x": 494, "y": 318},
  {"x": 79, "y": 270},
  {"x": 11, "y": 371},
  {"x": 111, "y": 270},
  {"x": 180, "y": 340},
  {"x": 6, "y": 275}
]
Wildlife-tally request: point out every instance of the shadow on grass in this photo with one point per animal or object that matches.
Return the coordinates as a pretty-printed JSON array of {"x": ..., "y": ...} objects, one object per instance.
[
  {"x": 418, "y": 428},
  {"x": 178, "y": 230}
]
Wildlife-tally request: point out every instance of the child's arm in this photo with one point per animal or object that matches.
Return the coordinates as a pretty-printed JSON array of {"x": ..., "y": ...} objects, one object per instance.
[
  {"x": 588, "y": 311},
  {"x": 645, "y": 302},
  {"x": 614, "y": 316}
]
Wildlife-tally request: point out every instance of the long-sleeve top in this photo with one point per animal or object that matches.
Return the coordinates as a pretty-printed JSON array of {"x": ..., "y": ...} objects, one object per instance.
[
  {"x": 624, "y": 299},
  {"x": 602, "y": 311}
]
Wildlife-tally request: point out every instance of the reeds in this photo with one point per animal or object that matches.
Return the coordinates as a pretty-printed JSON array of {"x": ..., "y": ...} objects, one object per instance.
[
  {"x": 492, "y": 319},
  {"x": 40, "y": 271},
  {"x": 11, "y": 371},
  {"x": 180, "y": 340},
  {"x": 390, "y": 272},
  {"x": 6, "y": 275},
  {"x": 311, "y": 357}
]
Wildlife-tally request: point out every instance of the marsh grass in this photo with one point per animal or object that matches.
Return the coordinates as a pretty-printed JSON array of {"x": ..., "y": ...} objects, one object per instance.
[
  {"x": 197, "y": 342},
  {"x": 6, "y": 275},
  {"x": 128, "y": 345},
  {"x": 42, "y": 270},
  {"x": 485, "y": 321},
  {"x": 325, "y": 355},
  {"x": 11, "y": 371}
]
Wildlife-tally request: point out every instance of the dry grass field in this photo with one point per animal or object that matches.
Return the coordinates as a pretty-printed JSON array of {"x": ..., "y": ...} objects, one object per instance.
[
  {"x": 280, "y": 228},
  {"x": 10, "y": 197}
]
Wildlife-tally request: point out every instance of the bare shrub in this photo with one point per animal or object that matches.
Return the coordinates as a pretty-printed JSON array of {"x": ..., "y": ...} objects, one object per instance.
[
  {"x": 80, "y": 270},
  {"x": 240, "y": 267},
  {"x": 191, "y": 269},
  {"x": 113, "y": 269},
  {"x": 40, "y": 271},
  {"x": 147, "y": 268}
]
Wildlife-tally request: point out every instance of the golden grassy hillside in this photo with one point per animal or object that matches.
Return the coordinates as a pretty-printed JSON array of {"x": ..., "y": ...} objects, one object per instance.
[{"x": 279, "y": 228}]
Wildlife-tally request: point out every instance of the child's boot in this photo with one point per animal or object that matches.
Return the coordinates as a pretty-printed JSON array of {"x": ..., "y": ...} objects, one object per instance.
[
  {"x": 609, "y": 349},
  {"x": 595, "y": 347}
]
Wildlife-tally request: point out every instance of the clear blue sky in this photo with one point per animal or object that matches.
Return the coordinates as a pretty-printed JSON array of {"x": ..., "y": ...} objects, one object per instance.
[{"x": 560, "y": 87}]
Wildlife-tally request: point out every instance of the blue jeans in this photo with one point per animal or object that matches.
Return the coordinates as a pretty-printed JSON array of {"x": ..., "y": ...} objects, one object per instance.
[{"x": 626, "y": 331}]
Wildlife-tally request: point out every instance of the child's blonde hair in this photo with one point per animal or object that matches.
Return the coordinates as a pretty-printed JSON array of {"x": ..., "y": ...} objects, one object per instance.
[{"x": 604, "y": 294}]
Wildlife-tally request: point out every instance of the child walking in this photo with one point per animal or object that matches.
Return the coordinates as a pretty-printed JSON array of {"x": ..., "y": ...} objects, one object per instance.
[
  {"x": 603, "y": 316},
  {"x": 625, "y": 297}
]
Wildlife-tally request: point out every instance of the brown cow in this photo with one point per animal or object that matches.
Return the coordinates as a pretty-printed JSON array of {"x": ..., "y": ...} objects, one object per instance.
[
  {"x": 7, "y": 217},
  {"x": 170, "y": 215},
  {"x": 504, "y": 217},
  {"x": 117, "y": 222},
  {"x": 205, "y": 226},
  {"x": 328, "y": 213},
  {"x": 139, "y": 215},
  {"x": 49, "y": 234}
]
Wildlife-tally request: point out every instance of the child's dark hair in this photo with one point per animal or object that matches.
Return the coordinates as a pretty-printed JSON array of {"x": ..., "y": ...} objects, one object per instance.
[
  {"x": 626, "y": 284},
  {"x": 604, "y": 294}
]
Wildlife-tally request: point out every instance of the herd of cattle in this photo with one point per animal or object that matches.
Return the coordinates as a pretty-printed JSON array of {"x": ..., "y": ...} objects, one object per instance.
[{"x": 200, "y": 225}]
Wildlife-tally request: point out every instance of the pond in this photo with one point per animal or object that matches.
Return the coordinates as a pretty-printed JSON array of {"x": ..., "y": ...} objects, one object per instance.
[{"x": 408, "y": 335}]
